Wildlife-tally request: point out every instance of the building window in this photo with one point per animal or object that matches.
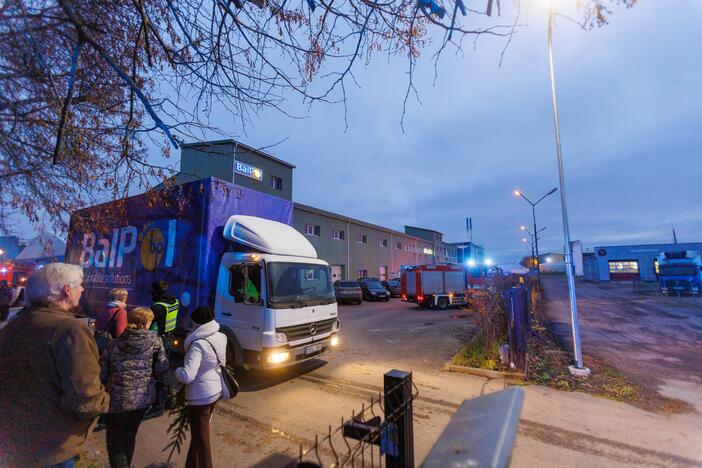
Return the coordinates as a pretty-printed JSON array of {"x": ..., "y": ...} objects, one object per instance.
[
  {"x": 383, "y": 242},
  {"x": 428, "y": 251},
  {"x": 399, "y": 246},
  {"x": 337, "y": 234},
  {"x": 361, "y": 273},
  {"x": 361, "y": 238},
  {"x": 276, "y": 183},
  {"x": 312, "y": 229},
  {"x": 408, "y": 248},
  {"x": 624, "y": 266}
]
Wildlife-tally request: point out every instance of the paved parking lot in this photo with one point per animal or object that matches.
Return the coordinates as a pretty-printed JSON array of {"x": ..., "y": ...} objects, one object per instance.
[{"x": 657, "y": 340}]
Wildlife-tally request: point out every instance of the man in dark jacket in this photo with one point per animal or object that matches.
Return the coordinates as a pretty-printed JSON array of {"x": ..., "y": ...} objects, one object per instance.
[
  {"x": 165, "y": 309},
  {"x": 50, "y": 390}
]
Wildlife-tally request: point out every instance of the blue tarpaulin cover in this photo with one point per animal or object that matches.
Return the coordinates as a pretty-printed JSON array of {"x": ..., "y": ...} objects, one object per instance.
[{"x": 174, "y": 236}]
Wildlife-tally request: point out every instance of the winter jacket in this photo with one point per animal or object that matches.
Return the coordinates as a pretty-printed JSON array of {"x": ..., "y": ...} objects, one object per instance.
[
  {"x": 160, "y": 311},
  {"x": 50, "y": 390},
  {"x": 200, "y": 372},
  {"x": 118, "y": 325},
  {"x": 130, "y": 367}
]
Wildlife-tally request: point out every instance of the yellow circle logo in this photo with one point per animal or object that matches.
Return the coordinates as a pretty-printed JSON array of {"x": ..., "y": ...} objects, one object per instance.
[{"x": 152, "y": 248}]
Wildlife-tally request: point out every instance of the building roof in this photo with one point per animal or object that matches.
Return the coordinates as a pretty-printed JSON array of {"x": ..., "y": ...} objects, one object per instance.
[
  {"x": 356, "y": 221},
  {"x": 424, "y": 229},
  {"x": 45, "y": 245},
  {"x": 237, "y": 143}
]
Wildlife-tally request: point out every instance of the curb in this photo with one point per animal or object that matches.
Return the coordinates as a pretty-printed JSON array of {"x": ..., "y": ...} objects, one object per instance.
[{"x": 490, "y": 374}]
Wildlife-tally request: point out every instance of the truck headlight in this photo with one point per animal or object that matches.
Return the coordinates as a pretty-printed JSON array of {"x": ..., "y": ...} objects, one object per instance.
[
  {"x": 281, "y": 338},
  {"x": 275, "y": 358},
  {"x": 334, "y": 340}
]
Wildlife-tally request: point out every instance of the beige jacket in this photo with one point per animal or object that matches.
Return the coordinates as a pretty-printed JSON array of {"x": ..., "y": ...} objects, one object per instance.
[{"x": 50, "y": 390}]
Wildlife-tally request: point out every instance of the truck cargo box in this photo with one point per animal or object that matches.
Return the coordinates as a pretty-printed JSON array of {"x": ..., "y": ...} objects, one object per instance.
[{"x": 174, "y": 234}]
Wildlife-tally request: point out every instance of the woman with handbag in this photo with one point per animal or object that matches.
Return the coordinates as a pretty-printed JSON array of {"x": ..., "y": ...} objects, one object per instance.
[
  {"x": 130, "y": 368},
  {"x": 205, "y": 358}
]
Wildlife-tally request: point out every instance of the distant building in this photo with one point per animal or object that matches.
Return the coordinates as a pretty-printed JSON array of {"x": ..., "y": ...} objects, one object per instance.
[
  {"x": 552, "y": 262},
  {"x": 10, "y": 246},
  {"x": 352, "y": 247},
  {"x": 442, "y": 252},
  {"x": 629, "y": 262},
  {"x": 468, "y": 250},
  {"x": 44, "y": 248}
]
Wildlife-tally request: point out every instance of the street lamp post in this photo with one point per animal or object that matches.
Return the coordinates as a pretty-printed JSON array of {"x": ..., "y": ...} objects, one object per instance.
[
  {"x": 534, "y": 239},
  {"x": 578, "y": 369},
  {"x": 519, "y": 193}
]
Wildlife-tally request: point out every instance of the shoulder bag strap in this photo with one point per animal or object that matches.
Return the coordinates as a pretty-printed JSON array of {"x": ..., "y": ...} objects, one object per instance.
[{"x": 213, "y": 349}]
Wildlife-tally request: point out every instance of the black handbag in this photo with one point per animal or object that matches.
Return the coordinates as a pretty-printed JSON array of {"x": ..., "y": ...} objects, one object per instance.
[{"x": 230, "y": 387}]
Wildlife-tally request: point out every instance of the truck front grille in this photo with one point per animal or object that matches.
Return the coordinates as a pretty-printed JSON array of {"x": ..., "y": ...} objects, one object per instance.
[
  {"x": 299, "y": 332},
  {"x": 678, "y": 284}
]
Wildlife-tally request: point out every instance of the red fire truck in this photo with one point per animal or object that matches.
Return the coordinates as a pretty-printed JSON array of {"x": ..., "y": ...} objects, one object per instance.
[{"x": 441, "y": 285}]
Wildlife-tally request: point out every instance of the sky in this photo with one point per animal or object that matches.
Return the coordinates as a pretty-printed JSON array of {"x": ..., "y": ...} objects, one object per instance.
[{"x": 630, "y": 110}]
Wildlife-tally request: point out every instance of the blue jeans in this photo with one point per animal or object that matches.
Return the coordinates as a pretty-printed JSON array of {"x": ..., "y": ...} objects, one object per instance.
[{"x": 70, "y": 463}]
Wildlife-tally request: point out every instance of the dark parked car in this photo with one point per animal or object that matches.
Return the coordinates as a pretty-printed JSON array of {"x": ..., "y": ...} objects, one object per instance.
[
  {"x": 373, "y": 290},
  {"x": 393, "y": 286},
  {"x": 348, "y": 291}
]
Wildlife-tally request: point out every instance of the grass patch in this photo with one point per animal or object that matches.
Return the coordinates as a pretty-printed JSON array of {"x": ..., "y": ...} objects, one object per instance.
[
  {"x": 473, "y": 355},
  {"x": 85, "y": 460}
]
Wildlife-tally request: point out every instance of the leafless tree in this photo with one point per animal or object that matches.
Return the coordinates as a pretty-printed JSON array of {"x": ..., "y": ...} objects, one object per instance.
[{"x": 85, "y": 83}]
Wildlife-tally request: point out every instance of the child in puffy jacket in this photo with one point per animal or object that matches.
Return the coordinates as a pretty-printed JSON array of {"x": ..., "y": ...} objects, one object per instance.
[{"x": 130, "y": 367}]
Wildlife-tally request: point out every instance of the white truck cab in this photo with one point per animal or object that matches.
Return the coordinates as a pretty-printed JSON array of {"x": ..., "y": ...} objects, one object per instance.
[{"x": 274, "y": 300}]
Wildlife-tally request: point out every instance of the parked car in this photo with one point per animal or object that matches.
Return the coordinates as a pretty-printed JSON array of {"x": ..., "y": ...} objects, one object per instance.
[
  {"x": 348, "y": 291},
  {"x": 393, "y": 286},
  {"x": 373, "y": 290}
]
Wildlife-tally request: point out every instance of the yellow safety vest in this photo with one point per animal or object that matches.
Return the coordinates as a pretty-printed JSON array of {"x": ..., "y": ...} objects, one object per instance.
[{"x": 171, "y": 315}]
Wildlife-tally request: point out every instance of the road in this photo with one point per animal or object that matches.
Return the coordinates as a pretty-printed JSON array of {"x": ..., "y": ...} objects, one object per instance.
[
  {"x": 657, "y": 340},
  {"x": 278, "y": 411}
]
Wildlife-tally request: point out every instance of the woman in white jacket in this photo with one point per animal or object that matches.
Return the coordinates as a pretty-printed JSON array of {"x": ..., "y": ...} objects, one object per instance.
[{"x": 206, "y": 350}]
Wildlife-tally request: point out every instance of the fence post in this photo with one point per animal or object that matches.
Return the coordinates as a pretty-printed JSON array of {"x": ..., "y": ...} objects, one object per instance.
[{"x": 398, "y": 416}]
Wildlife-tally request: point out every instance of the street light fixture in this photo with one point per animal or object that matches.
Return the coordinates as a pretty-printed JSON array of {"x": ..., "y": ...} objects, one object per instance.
[
  {"x": 519, "y": 193},
  {"x": 578, "y": 369}
]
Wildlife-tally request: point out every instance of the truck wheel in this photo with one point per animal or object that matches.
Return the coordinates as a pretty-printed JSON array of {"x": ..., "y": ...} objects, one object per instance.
[{"x": 443, "y": 303}]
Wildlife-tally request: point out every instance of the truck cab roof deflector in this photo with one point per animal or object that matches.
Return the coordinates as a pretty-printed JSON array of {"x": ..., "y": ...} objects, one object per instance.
[{"x": 268, "y": 236}]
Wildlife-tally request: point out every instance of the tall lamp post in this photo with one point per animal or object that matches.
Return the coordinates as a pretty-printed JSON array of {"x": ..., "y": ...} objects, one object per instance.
[
  {"x": 534, "y": 239},
  {"x": 578, "y": 369},
  {"x": 519, "y": 193}
]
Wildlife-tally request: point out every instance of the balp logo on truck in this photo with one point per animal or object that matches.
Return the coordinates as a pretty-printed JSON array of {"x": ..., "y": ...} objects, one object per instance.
[
  {"x": 109, "y": 252},
  {"x": 225, "y": 246}
]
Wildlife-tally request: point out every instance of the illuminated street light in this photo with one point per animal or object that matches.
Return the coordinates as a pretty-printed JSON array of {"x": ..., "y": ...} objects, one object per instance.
[{"x": 519, "y": 193}]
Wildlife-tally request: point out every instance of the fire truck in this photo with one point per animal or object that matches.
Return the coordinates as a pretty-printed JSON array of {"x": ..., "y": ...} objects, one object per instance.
[
  {"x": 15, "y": 273},
  {"x": 441, "y": 286}
]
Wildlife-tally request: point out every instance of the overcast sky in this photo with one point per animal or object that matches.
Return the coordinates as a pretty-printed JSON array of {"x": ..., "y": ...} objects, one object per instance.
[{"x": 630, "y": 104}]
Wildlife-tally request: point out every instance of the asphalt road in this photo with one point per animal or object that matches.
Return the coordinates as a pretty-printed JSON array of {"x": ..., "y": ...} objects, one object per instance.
[{"x": 279, "y": 411}]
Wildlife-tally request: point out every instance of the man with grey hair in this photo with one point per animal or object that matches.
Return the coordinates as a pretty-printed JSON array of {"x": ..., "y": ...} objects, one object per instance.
[{"x": 50, "y": 390}]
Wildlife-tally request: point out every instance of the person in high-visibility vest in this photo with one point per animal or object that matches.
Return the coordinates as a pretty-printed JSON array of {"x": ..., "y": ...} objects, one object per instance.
[{"x": 165, "y": 309}]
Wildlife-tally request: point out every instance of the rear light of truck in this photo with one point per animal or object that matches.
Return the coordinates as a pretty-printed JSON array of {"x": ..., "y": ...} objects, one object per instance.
[
  {"x": 420, "y": 298},
  {"x": 404, "y": 297}
]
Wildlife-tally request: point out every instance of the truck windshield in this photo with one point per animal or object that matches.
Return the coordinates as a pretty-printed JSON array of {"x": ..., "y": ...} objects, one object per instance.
[
  {"x": 678, "y": 270},
  {"x": 300, "y": 284}
]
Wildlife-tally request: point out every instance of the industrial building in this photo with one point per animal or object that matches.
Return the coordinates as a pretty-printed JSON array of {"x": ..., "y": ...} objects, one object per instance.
[
  {"x": 352, "y": 247},
  {"x": 629, "y": 262}
]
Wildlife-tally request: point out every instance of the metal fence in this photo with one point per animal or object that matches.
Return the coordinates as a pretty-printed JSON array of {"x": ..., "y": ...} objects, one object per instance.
[
  {"x": 517, "y": 307},
  {"x": 380, "y": 434}
]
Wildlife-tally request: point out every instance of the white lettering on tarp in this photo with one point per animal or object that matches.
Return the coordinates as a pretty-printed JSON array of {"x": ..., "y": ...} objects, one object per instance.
[
  {"x": 129, "y": 232},
  {"x": 102, "y": 251},
  {"x": 99, "y": 252},
  {"x": 86, "y": 257}
]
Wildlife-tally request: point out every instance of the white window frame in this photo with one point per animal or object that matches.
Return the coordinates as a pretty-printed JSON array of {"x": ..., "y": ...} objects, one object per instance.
[
  {"x": 338, "y": 234},
  {"x": 274, "y": 182},
  {"x": 383, "y": 242},
  {"x": 312, "y": 229},
  {"x": 361, "y": 238}
]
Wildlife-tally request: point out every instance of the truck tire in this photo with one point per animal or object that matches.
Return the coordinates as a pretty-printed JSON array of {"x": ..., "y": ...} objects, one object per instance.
[{"x": 442, "y": 303}]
